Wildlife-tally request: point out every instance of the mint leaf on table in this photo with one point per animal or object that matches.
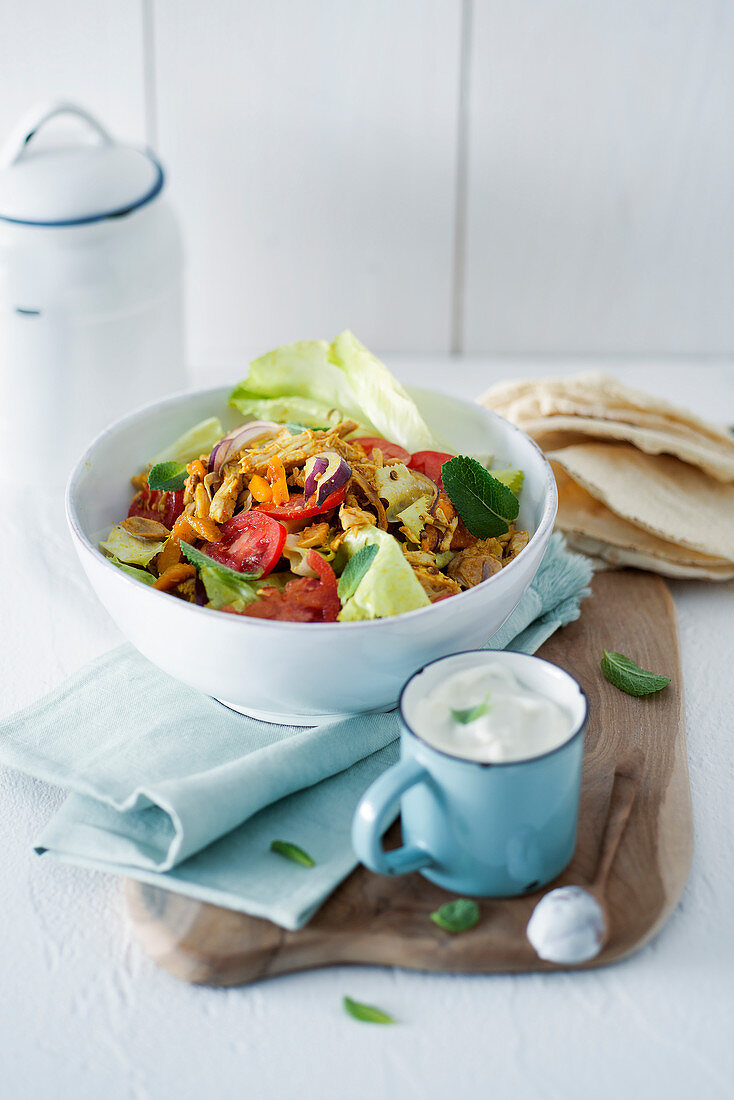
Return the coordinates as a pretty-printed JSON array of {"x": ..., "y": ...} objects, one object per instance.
[
  {"x": 368, "y": 1014},
  {"x": 486, "y": 506},
  {"x": 355, "y": 570},
  {"x": 292, "y": 852},
  {"x": 167, "y": 476},
  {"x": 471, "y": 713},
  {"x": 457, "y": 916},
  {"x": 628, "y": 676}
]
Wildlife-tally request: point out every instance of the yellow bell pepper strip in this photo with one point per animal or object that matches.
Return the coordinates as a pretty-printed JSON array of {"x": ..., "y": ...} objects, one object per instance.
[
  {"x": 260, "y": 489},
  {"x": 277, "y": 479}
]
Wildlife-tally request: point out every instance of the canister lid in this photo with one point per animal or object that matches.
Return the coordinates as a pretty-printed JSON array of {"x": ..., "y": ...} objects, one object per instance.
[{"x": 70, "y": 182}]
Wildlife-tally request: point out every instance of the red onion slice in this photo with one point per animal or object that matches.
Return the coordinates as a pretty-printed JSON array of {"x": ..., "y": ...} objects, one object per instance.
[
  {"x": 238, "y": 437},
  {"x": 325, "y": 473}
]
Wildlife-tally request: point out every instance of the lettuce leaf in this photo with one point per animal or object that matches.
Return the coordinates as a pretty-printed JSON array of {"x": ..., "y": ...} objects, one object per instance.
[
  {"x": 130, "y": 550},
  {"x": 383, "y": 399},
  {"x": 389, "y": 587},
  {"x": 196, "y": 441},
  {"x": 307, "y": 380}
]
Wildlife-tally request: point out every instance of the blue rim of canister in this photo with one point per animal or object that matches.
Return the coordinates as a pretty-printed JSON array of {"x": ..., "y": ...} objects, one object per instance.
[{"x": 120, "y": 212}]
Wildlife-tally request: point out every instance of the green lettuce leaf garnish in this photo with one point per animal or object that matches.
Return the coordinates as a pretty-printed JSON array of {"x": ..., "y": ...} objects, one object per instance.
[
  {"x": 196, "y": 441},
  {"x": 129, "y": 549},
  {"x": 389, "y": 586},
  {"x": 306, "y": 381},
  {"x": 484, "y": 503}
]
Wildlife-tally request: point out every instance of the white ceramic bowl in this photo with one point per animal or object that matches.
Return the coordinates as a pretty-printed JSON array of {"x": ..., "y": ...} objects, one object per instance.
[{"x": 299, "y": 673}]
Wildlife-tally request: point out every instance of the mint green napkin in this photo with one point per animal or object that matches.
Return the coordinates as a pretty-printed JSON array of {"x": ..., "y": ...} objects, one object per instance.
[{"x": 172, "y": 788}]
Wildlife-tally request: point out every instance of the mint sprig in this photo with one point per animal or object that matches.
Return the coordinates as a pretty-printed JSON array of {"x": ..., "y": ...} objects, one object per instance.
[
  {"x": 355, "y": 570},
  {"x": 203, "y": 561},
  {"x": 457, "y": 916},
  {"x": 169, "y": 476},
  {"x": 486, "y": 506},
  {"x": 629, "y": 677},
  {"x": 292, "y": 852},
  {"x": 368, "y": 1014},
  {"x": 471, "y": 713}
]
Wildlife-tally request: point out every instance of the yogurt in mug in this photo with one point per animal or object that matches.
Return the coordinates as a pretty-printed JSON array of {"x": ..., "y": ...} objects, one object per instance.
[{"x": 484, "y": 713}]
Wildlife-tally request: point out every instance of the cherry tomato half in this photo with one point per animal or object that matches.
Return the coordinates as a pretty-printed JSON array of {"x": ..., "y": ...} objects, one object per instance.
[
  {"x": 429, "y": 463},
  {"x": 250, "y": 543},
  {"x": 303, "y": 600},
  {"x": 389, "y": 450},
  {"x": 298, "y": 508},
  {"x": 161, "y": 505}
]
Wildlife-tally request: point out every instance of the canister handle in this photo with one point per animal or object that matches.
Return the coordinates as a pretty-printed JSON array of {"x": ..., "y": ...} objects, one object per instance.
[{"x": 31, "y": 123}]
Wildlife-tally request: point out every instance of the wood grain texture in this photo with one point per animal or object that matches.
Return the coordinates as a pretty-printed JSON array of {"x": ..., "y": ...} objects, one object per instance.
[
  {"x": 311, "y": 150},
  {"x": 376, "y": 920},
  {"x": 600, "y": 177},
  {"x": 73, "y": 49}
]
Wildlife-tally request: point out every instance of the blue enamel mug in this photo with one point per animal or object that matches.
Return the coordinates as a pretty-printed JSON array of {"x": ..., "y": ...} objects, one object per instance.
[{"x": 491, "y": 830}]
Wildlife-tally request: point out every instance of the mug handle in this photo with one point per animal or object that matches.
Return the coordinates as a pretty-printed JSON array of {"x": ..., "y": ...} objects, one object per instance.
[{"x": 373, "y": 816}]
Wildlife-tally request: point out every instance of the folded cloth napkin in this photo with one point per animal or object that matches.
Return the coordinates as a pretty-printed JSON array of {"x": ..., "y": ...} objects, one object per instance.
[{"x": 172, "y": 788}]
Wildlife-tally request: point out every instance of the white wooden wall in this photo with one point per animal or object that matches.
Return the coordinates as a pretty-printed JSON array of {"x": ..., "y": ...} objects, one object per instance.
[{"x": 515, "y": 176}]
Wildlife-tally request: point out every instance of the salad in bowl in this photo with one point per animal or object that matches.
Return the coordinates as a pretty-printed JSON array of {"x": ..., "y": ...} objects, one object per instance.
[
  {"x": 321, "y": 603},
  {"x": 331, "y": 501}
]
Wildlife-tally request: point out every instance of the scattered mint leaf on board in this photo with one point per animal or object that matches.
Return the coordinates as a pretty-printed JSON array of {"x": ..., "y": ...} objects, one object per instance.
[
  {"x": 457, "y": 916},
  {"x": 628, "y": 676},
  {"x": 292, "y": 852},
  {"x": 167, "y": 476},
  {"x": 486, "y": 506},
  {"x": 355, "y": 570},
  {"x": 368, "y": 1014},
  {"x": 471, "y": 713}
]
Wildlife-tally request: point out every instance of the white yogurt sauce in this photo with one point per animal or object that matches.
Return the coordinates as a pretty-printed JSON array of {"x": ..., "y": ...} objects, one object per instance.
[
  {"x": 517, "y": 723},
  {"x": 567, "y": 926}
]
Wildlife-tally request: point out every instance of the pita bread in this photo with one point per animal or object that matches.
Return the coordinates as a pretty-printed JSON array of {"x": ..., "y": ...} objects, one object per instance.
[
  {"x": 599, "y": 532},
  {"x": 595, "y": 394},
  {"x": 604, "y": 557},
  {"x": 657, "y": 493},
  {"x": 553, "y": 432}
]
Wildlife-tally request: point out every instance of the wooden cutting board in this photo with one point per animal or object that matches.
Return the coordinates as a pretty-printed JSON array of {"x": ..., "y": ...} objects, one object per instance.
[{"x": 376, "y": 920}]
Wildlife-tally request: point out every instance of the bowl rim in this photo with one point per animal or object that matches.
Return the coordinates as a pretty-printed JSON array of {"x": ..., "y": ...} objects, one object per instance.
[{"x": 547, "y": 519}]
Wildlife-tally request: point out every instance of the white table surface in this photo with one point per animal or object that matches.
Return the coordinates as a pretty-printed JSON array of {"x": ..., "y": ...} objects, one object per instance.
[{"x": 85, "y": 1014}]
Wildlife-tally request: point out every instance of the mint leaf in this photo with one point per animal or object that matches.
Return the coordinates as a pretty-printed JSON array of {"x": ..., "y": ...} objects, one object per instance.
[
  {"x": 486, "y": 506},
  {"x": 224, "y": 586},
  {"x": 457, "y": 916},
  {"x": 133, "y": 571},
  {"x": 298, "y": 429},
  {"x": 368, "y": 1014},
  {"x": 167, "y": 476},
  {"x": 469, "y": 715},
  {"x": 355, "y": 570},
  {"x": 629, "y": 677},
  {"x": 513, "y": 479},
  {"x": 203, "y": 561},
  {"x": 292, "y": 852}
]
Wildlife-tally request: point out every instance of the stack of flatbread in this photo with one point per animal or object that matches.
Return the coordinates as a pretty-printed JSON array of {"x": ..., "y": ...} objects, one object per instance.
[{"x": 640, "y": 482}]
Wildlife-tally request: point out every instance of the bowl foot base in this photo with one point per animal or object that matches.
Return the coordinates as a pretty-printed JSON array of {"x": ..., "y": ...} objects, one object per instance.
[{"x": 298, "y": 719}]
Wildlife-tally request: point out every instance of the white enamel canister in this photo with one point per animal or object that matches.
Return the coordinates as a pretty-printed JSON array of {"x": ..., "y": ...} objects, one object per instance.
[{"x": 91, "y": 273}]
